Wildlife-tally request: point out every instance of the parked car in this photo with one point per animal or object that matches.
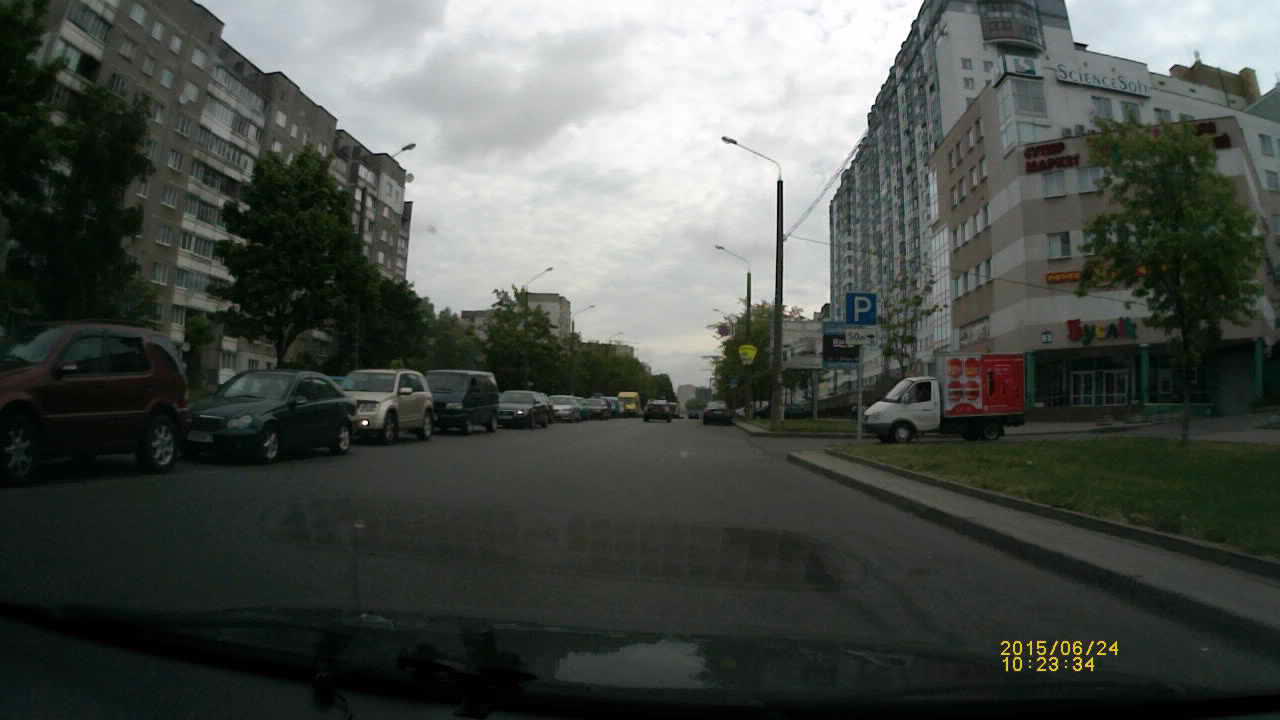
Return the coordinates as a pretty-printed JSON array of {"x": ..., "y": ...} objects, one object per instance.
[
  {"x": 84, "y": 389},
  {"x": 584, "y": 408},
  {"x": 262, "y": 414},
  {"x": 797, "y": 412},
  {"x": 615, "y": 406},
  {"x": 524, "y": 408},
  {"x": 564, "y": 408},
  {"x": 599, "y": 409},
  {"x": 693, "y": 413},
  {"x": 657, "y": 410},
  {"x": 390, "y": 401},
  {"x": 717, "y": 412},
  {"x": 464, "y": 398}
]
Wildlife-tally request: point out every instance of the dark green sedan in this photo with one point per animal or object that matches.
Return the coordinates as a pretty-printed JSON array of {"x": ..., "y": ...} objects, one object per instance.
[{"x": 261, "y": 414}]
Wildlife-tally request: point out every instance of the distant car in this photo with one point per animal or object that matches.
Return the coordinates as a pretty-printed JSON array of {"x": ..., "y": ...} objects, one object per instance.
[
  {"x": 564, "y": 408},
  {"x": 83, "y": 389},
  {"x": 390, "y": 401},
  {"x": 717, "y": 412},
  {"x": 798, "y": 412},
  {"x": 524, "y": 408},
  {"x": 599, "y": 409},
  {"x": 262, "y": 414},
  {"x": 657, "y": 410},
  {"x": 693, "y": 413},
  {"x": 615, "y": 406},
  {"x": 584, "y": 408}
]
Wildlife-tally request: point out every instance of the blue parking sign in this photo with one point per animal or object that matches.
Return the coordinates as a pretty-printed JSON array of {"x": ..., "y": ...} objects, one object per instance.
[{"x": 860, "y": 308}]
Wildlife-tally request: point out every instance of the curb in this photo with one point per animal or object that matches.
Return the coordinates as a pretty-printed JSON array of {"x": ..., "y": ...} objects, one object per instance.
[
  {"x": 1129, "y": 587},
  {"x": 756, "y": 431},
  {"x": 1210, "y": 552}
]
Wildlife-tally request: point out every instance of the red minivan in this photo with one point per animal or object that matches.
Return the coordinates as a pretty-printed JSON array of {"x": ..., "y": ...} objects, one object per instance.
[{"x": 82, "y": 389}]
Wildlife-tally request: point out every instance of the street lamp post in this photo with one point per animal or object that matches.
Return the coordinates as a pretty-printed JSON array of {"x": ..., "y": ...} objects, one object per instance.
[
  {"x": 573, "y": 347},
  {"x": 775, "y": 372},
  {"x": 750, "y": 391},
  {"x": 524, "y": 345}
]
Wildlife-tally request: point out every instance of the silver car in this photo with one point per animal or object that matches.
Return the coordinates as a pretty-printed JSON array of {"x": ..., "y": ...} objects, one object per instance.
[
  {"x": 564, "y": 408},
  {"x": 389, "y": 402}
]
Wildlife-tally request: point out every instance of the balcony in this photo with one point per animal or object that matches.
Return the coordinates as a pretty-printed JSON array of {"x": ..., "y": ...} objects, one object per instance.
[{"x": 1022, "y": 32}]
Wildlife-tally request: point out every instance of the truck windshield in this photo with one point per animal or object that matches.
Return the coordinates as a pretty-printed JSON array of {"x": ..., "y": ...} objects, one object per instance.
[{"x": 895, "y": 394}]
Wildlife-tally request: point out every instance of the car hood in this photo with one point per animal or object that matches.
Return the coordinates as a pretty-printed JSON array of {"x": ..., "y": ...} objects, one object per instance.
[
  {"x": 370, "y": 396},
  {"x": 514, "y": 406},
  {"x": 533, "y": 661},
  {"x": 234, "y": 407}
]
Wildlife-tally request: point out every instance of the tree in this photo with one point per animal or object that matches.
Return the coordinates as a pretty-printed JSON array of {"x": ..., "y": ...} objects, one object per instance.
[
  {"x": 520, "y": 346},
  {"x": 730, "y": 365},
  {"x": 26, "y": 90},
  {"x": 452, "y": 345},
  {"x": 1177, "y": 237},
  {"x": 903, "y": 310},
  {"x": 292, "y": 272},
  {"x": 70, "y": 243},
  {"x": 199, "y": 334},
  {"x": 393, "y": 326},
  {"x": 663, "y": 388}
]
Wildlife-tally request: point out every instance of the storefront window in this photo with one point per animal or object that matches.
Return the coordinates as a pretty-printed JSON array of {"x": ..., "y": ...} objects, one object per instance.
[{"x": 1164, "y": 383}]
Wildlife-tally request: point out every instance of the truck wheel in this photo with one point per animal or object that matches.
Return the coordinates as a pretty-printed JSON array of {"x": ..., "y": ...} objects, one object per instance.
[
  {"x": 992, "y": 430},
  {"x": 903, "y": 433}
]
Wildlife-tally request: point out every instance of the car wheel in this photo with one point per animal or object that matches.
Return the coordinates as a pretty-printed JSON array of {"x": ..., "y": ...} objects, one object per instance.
[
  {"x": 342, "y": 442},
  {"x": 646, "y": 419},
  {"x": 19, "y": 448},
  {"x": 466, "y": 427},
  {"x": 158, "y": 449},
  {"x": 268, "y": 450},
  {"x": 493, "y": 424},
  {"x": 992, "y": 430},
  {"x": 424, "y": 432},
  {"x": 903, "y": 433},
  {"x": 390, "y": 430},
  {"x": 668, "y": 419}
]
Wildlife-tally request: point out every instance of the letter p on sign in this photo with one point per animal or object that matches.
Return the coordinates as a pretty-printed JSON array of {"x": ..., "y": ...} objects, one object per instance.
[{"x": 860, "y": 309}]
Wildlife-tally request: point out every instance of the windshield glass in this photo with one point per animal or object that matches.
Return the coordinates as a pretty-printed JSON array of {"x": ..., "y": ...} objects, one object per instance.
[
  {"x": 448, "y": 382},
  {"x": 29, "y": 346},
  {"x": 562, "y": 400},
  {"x": 518, "y": 397},
  {"x": 370, "y": 382},
  {"x": 895, "y": 394},
  {"x": 263, "y": 385}
]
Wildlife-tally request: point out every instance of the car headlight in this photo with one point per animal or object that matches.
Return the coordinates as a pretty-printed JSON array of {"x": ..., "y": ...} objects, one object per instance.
[
  {"x": 519, "y": 412},
  {"x": 366, "y": 406},
  {"x": 240, "y": 423},
  {"x": 453, "y": 406}
]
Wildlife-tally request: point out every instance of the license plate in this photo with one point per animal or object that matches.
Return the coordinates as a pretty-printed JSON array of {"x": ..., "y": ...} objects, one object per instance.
[{"x": 199, "y": 436}]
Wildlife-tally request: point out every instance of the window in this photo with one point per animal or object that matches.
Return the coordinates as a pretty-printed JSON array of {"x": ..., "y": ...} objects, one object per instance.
[
  {"x": 169, "y": 197},
  {"x": 955, "y": 196},
  {"x": 125, "y": 354},
  {"x": 982, "y": 166},
  {"x": 1101, "y": 107},
  {"x": 968, "y": 83},
  {"x": 175, "y": 160},
  {"x": 293, "y": 131},
  {"x": 157, "y": 112},
  {"x": 955, "y": 286},
  {"x": 281, "y": 119},
  {"x": 973, "y": 176},
  {"x": 987, "y": 66},
  {"x": 984, "y": 217},
  {"x": 1059, "y": 245},
  {"x": 127, "y": 49},
  {"x": 1028, "y": 97},
  {"x": 1055, "y": 184},
  {"x": 382, "y": 258},
  {"x": 1163, "y": 116},
  {"x": 972, "y": 135},
  {"x": 144, "y": 188},
  {"x": 138, "y": 14},
  {"x": 1273, "y": 180},
  {"x": 198, "y": 244},
  {"x": 964, "y": 190},
  {"x": 157, "y": 32},
  {"x": 1185, "y": 117},
  {"x": 160, "y": 273},
  {"x": 1086, "y": 245},
  {"x": 1131, "y": 111},
  {"x": 86, "y": 353},
  {"x": 986, "y": 270},
  {"x": 198, "y": 58},
  {"x": 1267, "y": 147},
  {"x": 149, "y": 66},
  {"x": 166, "y": 77},
  {"x": 178, "y": 315},
  {"x": 175, "y": 44},
  {"x": 190, "y": 93},
  {"x": 276, "y": 146},
  {"x": 183, "y": 125},
  {"x": 252, "y": 364},
  {"x": 166, "y": 236},
  {"x": 966, "y": 63},
  {"x": 1088, "y": 178},
  {"x": 119, "y": 84},
  {"x": 78, "y": 62}
]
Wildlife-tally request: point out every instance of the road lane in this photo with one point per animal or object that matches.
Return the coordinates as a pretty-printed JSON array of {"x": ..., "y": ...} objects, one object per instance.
[{"x": 620, "y": 524}]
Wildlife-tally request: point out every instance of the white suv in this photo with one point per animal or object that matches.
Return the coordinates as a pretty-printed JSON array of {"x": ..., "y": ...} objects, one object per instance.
[{"x": 389, "y": 402}]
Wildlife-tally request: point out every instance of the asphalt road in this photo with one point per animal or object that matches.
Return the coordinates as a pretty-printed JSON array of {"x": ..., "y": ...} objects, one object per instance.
[{"x": 625, "y": 525}]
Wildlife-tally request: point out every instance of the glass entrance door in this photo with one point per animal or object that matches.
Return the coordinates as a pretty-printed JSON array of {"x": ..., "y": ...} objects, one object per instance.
[{"x": 1083, "y": 388}]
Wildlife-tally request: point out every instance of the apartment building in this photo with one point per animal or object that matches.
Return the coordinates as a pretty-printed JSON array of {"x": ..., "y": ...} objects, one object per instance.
[
  {"x": 213, "y": 114},
  {"x": 556, "y": 306},
  {"x": 975, "y": 86}
]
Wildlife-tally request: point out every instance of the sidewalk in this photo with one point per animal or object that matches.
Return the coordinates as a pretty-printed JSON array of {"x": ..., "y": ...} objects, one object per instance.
[
  {"x": 1032, "y": 429},
  {"x": 1243, "y": 604}
]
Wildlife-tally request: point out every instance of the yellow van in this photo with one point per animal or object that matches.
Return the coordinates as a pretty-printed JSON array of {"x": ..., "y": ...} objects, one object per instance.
[{"x": 630, "y": 403}]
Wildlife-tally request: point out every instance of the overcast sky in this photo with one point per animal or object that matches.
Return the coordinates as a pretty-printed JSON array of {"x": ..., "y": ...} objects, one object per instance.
[{"x": 584, "y": 135}]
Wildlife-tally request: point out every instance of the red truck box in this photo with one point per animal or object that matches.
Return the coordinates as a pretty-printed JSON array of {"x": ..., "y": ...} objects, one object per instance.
[{"x": 975, "y": 384}]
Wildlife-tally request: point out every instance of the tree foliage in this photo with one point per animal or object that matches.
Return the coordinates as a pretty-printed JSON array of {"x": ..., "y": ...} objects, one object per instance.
[
  {"x": 904, "y": 308},
  {"x": 521, "y": 347},
  {"x": 293, "y": 272},
  {"x": 27, "y": 143},
  {"x": 1177, "y": 237},
  {"x": 730, "y": 365}
]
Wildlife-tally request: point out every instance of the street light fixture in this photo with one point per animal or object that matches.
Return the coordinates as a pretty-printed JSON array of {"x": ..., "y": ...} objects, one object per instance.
[
  {"x": 406, "y": 148},
  {"x": 775, "y": 402}
]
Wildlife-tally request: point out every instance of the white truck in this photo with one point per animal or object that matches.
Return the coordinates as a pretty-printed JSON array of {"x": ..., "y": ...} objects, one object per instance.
[{"x": 980, "y": 395}]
